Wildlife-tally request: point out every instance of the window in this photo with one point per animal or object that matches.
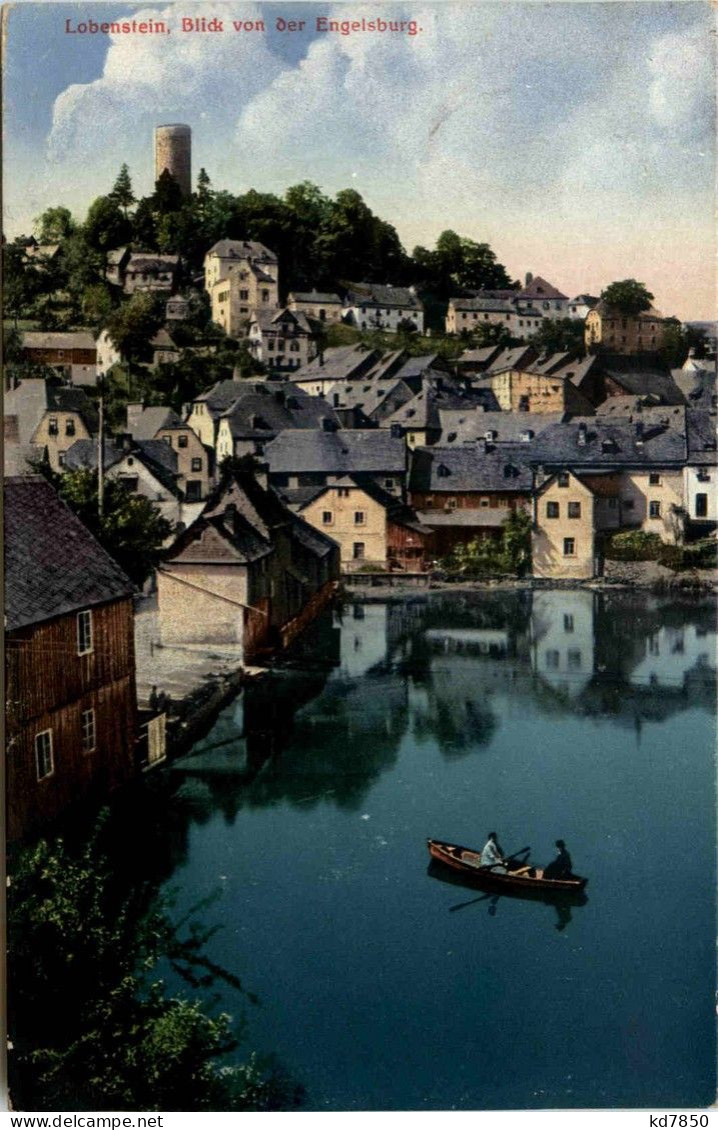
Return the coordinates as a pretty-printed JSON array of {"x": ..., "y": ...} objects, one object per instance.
[
  {"x": 612, "y": 503},
  {"x": 265, "y": 296},
  {"x": 654, "y": 479},
  {"x": 568, "y": 621},
  {"x": 358, "y": 550},
  {"x": 359, "y": 517},
  {"x": 182, "y": 441},
  {"x": 701, "y": 506},
  {"x": 243, "y": 295},
  {"x": 87, "y": 722},
  {"x": 552, "y": 510},
  {"x": 294, "y": 347},
  {"x": 574, "y": 509},
  {"x": 654, "y": 509},
  {"x": 327, "y": 517},
  {"x": 52, "y": 428},
  {"x": 451, "y": 504},
  {"x": 628, "y": 504},
  {"x": 69, "y": 427},
  {"x": 484, "y": 502},
  {"x": 43, "y": 754},
  {"x": 552, "y": 660},
  {"x": 270, "y": 345},
  {"x": 569, "y": 547},
  {"x": 196, "y": 464},
  {"x": 193, "y": 492},
  {"x": 574, "y": 659},
  {"x": 168, "y": 440},
  {"x": 84, "y": 633},
  {"x": 343, "y": 492},
  {"x": 563, "y": 478},
  {"x": 280, "y": 345}
]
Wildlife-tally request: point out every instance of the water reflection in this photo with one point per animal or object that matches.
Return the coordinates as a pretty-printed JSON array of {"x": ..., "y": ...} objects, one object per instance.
[{"x": 562, "y": 902}]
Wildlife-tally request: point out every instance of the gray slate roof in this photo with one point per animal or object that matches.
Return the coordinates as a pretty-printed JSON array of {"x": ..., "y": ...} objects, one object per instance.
[
  {"x": 464, "y": 516},
  {"x": 77, "y": 340},
  {"x": 156, "y": 455},
  {"x": 643, "y": 382},
  {"x": 242, "y": 249},
  {"x": 447, "y": 470},
  {"x": 263, "y": 410},
  {"x": 53, "y": 565},
  {"x": 378, "y": 294},
  {"x": 341, "y": 452},
  {"x": 315, "y": 296},
  {"x": 144, "y": 423},
  {"x": 539, "y": 289},
  {"x": 341, "y": 363},
  {"x": 483, "y": 305},
  {"x": 422, "y": 411},
  {"x": 701, "y": 435},
  {"x": 467, "y": 425},
  {"x": 516, "y": 358},
  {"x": 609, "y": 443}
]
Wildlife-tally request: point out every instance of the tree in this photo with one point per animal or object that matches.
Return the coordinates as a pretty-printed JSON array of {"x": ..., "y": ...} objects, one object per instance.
[
  {"x": 122, "y": 191},
  {"x": 133, "y": 325},
  {"x": 457, "y": 264},
  {"x": 628, "y": 297},
  {"x": 54, "y": 225},
  {"x": 97, "y": 305},
  {"x": 92, "y": 1024},
  {"x": 560, "y": 335},
  {"x": 132, "y": 530},
  {"x": 488, "y": 334},
  {"x": 106, "y": 225},
  {"x": 510, "y": 554}
]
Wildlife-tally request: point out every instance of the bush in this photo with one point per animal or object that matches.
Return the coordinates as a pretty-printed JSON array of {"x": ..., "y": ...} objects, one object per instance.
[{"x": 633, "y": 545}]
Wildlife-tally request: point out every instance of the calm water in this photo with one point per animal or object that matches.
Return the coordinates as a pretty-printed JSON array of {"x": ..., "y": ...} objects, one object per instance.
[{"x": 554, "y": 714}]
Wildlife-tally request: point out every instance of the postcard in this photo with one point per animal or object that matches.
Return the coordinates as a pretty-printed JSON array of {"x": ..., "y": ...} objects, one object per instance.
[{"x": 360, "y": 556}]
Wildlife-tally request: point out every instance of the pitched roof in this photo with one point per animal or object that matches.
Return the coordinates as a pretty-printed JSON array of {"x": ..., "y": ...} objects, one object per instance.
[
  {"x": 369, "y": 395},
  {"x": 606, "y": 442},
  {"x": 80, "y": 339},
  {"x": 379, "y": 294},
  {"x": 336, "y": 452},
  {"x": 447, "y": 470},
  {"x": 644, "y": 382},
  {"x": 512, "y": 359},
  {"x": 154, "y": 454},
  {"x": 242, "y": 249},
  {"x": 701, "y": 436},
  {"x": 539, "y": 288},
  {"x": 468, "y": 424},
  {"x": 262, "y": 410},
  {"x": 583, "y": 300},
  {"x": 53, "y": 564},
  {"x": 606, "y": 311},
  {"x": 465, "y": 516},
  {"x": 314, "y": 296},
  {"x": 150, "y": 261},
  {"x": 224, "y": 536},
  {"x": 340, "y": 363},
  {"x": 487, "y": 305},
  {"x": 262, "y": 507},
  {"x": 275, "y": 319},
  {"x": 422, "y": 411},
  {"x": 145, "y": 422}
]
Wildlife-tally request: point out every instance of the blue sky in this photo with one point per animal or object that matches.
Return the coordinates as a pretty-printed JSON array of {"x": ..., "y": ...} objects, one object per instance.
[{"x": 576, "y": 138}]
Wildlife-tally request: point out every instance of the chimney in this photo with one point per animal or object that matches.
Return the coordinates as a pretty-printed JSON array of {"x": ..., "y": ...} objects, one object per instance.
[
  {"x": 529, "y": 278},
  {"x": 125, "y": 441},
  {"x": 134, "y": 413},
  {"x": 582, "y": 431},
  {"x": 396, "y": 431}
]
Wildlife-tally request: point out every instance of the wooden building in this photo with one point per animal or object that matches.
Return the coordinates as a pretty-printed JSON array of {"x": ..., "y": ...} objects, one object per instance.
[{"x": 70, "y": 663}]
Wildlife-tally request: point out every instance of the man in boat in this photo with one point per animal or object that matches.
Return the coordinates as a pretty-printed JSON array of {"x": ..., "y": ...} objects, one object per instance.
[
  {"x": 492, "y": 854},
  {"x": 560, "y": 867}
]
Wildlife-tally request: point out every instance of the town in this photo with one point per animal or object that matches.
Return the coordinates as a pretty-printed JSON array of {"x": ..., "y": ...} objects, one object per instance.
[{"x": 203, "y": 439}]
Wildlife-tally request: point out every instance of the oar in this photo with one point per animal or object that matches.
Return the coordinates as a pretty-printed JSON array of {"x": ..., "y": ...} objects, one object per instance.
[
  {"x": 507, "y": 859},
  {"x": 461, "y": 905}
]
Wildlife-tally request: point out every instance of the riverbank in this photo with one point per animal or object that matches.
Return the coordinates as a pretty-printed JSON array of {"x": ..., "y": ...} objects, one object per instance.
[{"x": 639, "y": 575}]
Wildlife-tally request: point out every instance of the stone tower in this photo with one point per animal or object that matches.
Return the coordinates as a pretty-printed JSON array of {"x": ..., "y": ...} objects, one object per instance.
[{"x": 173, "y": 152}]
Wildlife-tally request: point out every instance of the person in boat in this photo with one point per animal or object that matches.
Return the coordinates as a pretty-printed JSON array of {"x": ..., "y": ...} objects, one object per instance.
[
  {"x": 560, "y": 867},
  {"x": 492, "y": 854}
]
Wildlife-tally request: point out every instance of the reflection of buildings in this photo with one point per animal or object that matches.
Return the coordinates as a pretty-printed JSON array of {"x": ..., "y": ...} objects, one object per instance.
[
  {"x": 672, "y": 651},
  {"x": 562, "y": 639},
  {"x": 363, "y": 638}
]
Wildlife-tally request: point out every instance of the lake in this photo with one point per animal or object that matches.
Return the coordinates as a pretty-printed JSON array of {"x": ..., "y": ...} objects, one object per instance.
[{"x": 541, "y": 715}]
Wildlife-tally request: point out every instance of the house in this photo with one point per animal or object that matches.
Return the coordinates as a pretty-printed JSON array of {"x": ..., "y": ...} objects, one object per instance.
[
  {"x": 336, "y": 365},
  {"x": 622, "y": 333},
  {"x": 177, "y": 308},
  {"x": 325, "y": 307},
  {"x": 318, "y": 457},
  {"x": 241, "y": 278},
  {"x": 116, "y": 265},
  {"x": 368, "y": 402},
  {"x": 50, "y": 416},
  {"x": 645, "y": 460},
  {"x": 467, "y": 314},
  {"x": 371, "y": 526},
  {"x": 701, "y": 472},
  {"x": 261, "y": 411},
  {"x": 634, "y": 380},
  {"x": 372, "y": 306},
  {"x": 164, "y": 349},
  {"x": 206, "y": 409},
  {"x": 467, "y": 492},
  {"x": 545, "y": 384},
  {"x": 59, "y": 350},
  {"x": 539, "y": 295},
  {"x": 563, "y": 537},
  {"x": 418, "y": 419},
  {"x": 195, "y": 462},
  {"x": 107, "y": 352},
  {"x": 148, "y": 271},
  {"x": 146, "y": 467},
  {"x": 581, "y": 306},
  {"x": 248, "y": 573},
  {"x": 283, "y": 341},
  {"x": 473, "y": 361},
  {"x": 70, "y": 666}
]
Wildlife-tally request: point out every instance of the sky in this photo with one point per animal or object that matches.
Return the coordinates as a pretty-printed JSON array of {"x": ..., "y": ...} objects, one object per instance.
[{"x": 577, "y": 139}]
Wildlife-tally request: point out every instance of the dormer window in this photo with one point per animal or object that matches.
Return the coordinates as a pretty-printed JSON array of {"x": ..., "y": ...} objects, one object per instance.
[{"x": 443, "y": 471}]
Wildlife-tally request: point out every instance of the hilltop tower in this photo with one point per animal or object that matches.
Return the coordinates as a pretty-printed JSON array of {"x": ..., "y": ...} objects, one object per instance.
[{"x": 173, "y": 152}]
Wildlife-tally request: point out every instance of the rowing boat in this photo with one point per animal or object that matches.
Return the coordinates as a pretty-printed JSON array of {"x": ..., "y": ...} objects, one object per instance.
[{"x": 467, "y": 862}]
